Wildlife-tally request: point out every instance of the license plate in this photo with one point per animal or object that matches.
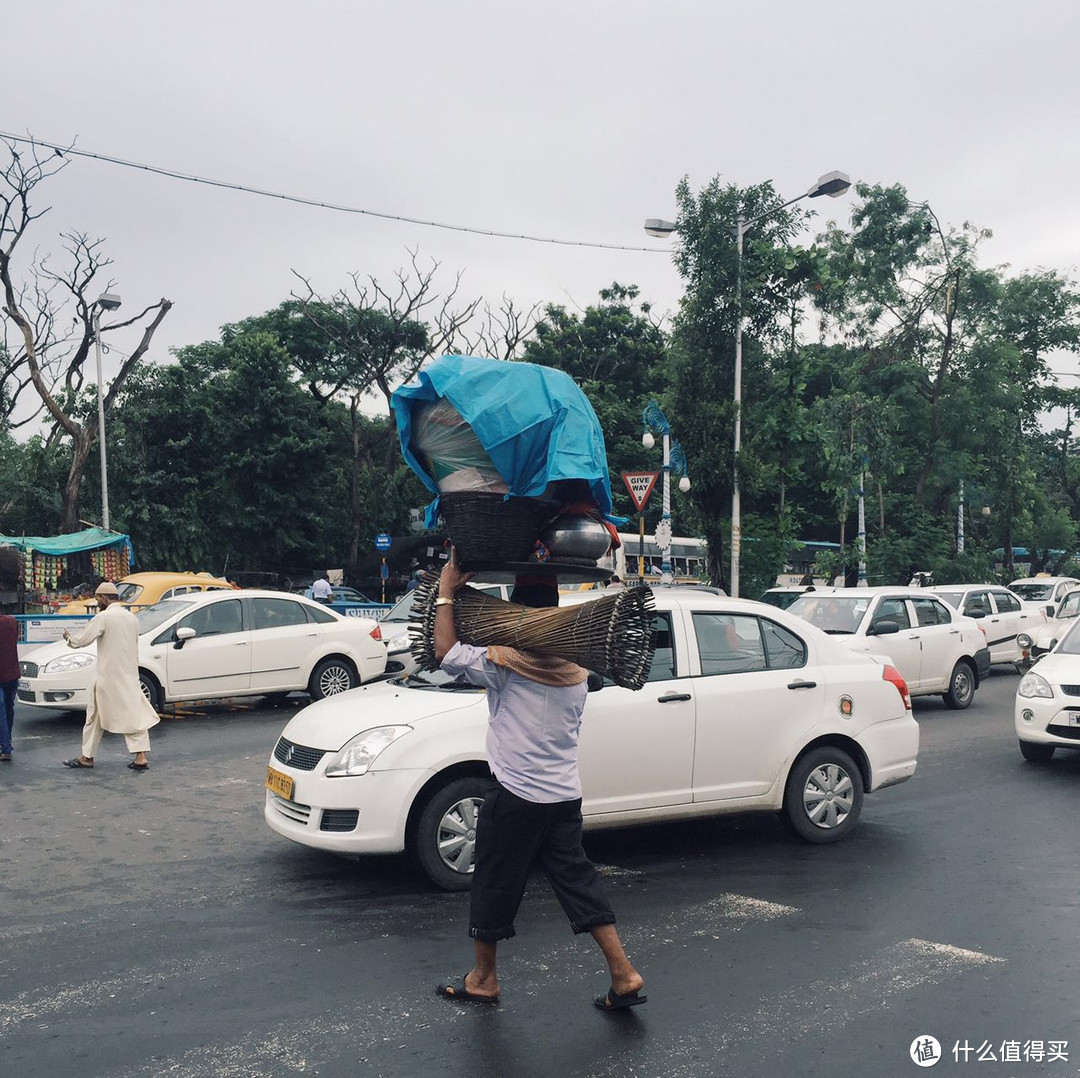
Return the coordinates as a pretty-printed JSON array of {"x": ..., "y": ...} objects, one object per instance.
[
  {"x": 279, "y": 783},
  {"x": 23, "y": 683},
  {"x": 1074, "y": 718}
]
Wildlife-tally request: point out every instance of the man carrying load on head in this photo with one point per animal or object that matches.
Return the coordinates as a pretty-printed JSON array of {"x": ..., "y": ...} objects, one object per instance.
[{"x": 532, "y": 811}]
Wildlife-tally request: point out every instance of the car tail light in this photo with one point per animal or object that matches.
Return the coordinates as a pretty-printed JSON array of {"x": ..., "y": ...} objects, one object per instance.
[
  {"x": 376, "y": 633},
  {"x": 891, "y": 674}
]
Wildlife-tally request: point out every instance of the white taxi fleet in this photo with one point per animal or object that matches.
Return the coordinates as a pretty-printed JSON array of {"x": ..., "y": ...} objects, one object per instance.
[
  {"x": 218, "y": 644},
  {"x": 746, "y": 707}
]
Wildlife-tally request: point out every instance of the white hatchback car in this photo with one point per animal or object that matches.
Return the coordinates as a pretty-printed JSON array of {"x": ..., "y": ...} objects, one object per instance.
[
  {"x": 745, "y": 708},
  {"x": 1042, "y": 638},
  {"x": 1005, "y": 618},
  {"x": 935, "y": 649},
  {"x": 1047, "y": 714},
  {"x": 1043, "y": 591},
  {"x": 221, "y": 643}
]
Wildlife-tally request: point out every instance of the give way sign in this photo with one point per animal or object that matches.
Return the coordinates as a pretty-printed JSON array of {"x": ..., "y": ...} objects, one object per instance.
[{"x": 640, "y": 485}]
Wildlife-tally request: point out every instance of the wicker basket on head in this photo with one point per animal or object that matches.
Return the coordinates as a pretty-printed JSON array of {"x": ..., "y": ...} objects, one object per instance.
[{"x": 489, "y": 529}]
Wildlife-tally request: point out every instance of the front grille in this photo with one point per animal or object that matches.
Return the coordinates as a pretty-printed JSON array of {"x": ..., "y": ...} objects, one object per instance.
[
  {"x": 339, "y": 819},
  {"x": 299, "y": 756},
  {"x": 1070, "y": 732},
  {"x": 26, "y": 696},
  {"x": 28, "y": 669},
  {"x": 1071, "y": 690},
  {"x": 291, "y": 810}
]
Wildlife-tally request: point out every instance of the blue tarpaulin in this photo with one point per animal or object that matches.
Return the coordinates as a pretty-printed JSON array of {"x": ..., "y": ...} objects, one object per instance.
[
  {"x": 534, "y": 422},
  {"x": 72, "y": 543}
]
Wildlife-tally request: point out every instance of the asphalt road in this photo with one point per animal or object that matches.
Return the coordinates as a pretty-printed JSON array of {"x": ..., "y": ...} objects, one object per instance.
[{"x": 151, "y": 924}]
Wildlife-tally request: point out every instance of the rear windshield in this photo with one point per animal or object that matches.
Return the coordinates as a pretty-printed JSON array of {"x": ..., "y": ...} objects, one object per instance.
[
  {"x": 953, "y": 598},
  {"x": 1033, "y": 593},
  {"x": 838, "y": 614},
  {"x": 129, "y": 592}
]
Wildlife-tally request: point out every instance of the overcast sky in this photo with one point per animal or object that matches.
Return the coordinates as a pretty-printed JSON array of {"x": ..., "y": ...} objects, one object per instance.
[{"x": 572, "y": 119}]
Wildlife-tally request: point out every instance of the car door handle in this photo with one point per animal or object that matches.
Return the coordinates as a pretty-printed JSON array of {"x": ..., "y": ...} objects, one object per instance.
[
  {"x": 240, "y": 643},
  {"x": 802, "y": 684},
  {"x": 671, "y": 697}
]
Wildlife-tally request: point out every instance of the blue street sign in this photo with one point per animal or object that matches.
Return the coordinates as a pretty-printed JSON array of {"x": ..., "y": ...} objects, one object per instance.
[{"x": 382, "y": 541}]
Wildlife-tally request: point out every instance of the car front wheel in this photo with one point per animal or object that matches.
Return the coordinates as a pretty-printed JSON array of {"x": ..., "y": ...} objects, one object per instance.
[
  {"x": 443, "y": 842},
  {"x": 1035, "y": 752},
  {"x": 151, "y": 690},
  {"x": 824, "y": 795},
  {"x": 961, "y": 687},
  {"x": 332, "y": 676}
]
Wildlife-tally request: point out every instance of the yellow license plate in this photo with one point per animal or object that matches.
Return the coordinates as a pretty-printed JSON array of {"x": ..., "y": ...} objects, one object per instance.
[{"x": 279, "y": 783}]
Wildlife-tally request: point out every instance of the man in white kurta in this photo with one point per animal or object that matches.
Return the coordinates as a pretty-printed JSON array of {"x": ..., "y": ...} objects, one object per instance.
[{"x": 117, "y": 703}]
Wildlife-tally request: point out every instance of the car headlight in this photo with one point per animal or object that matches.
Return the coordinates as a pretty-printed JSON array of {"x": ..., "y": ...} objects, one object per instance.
[
  {"x": 1032, "y": 684},
  {"x": 1024, "y": 640},
  {"x": 397, "y": 642},
  {"x": 361, "y": 752},
  {"x": 67, "y": 662}
]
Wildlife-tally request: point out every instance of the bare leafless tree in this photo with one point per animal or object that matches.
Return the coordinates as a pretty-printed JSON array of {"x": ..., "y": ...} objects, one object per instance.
[
  {"x": 48, "y": 321},
  {"x": 500, "y": 332}
]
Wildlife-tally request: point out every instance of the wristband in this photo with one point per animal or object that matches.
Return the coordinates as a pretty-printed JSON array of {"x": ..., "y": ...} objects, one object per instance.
[{"x": 444, "y": 601}]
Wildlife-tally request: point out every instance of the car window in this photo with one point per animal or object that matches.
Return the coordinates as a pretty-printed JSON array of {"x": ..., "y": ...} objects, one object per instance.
[
  {"x": 977, "y": 604},
  {"x": 783, "y": 649},
  {"x": 275, "y": 613},
  {"x": 317, "y": 614},
  {"x": 930, "y": 612},
  {"x": 217, "y": 619},
  {"x": 663, "y": 664},
  {"x": 129, "y": 592},
  {"x": 1006, "y": 603},
  {"x": 729, "y": 643},
  {"x": 1070, "y": 642},
  {"x": 894, "y": 609}
]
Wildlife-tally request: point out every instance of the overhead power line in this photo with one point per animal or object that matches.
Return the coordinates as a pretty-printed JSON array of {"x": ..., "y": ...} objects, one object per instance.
[{"x": 66, "y": 151}]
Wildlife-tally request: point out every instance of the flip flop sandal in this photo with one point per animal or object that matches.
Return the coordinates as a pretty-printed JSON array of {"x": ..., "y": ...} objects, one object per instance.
[
  {"x": 612, "y": 1001},
  {"x": 78, "y": 765},
  {"x": 138, "y": 767},
  {"x": 456, "y": 990}
]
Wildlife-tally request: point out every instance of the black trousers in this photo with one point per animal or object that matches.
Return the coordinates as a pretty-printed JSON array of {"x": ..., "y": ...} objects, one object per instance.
[{"x": 511, "y": 835}]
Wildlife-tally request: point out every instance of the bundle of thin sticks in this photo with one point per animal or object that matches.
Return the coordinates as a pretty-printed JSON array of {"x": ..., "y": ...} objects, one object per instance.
[{"x": 612, "y": 635}]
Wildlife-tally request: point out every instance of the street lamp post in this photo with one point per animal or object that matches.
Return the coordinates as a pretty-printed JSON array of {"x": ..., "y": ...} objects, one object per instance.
[
  {"x": 107, "y": 301},
  {"x": 831, "y": 184},
  {"x": 674, "y": 457}
]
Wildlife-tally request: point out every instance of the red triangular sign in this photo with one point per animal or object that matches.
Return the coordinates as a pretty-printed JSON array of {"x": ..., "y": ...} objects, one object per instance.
[{"x": 640, "y": 485}]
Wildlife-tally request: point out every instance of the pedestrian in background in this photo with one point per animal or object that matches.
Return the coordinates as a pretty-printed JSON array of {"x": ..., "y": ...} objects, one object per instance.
[
  {"x": 321, "y": 591},
  {"x": 532, "y": 812},
  {"x": 117, "y": 702},
  {"x": 9, "y": 681}
]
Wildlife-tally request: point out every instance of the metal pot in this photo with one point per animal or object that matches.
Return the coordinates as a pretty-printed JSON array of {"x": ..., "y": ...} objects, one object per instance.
[{"x": 576, "y": 537}]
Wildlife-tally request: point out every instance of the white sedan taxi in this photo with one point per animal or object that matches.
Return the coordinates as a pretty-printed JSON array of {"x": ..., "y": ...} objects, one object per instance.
[
  {"x": 218, "y": 644},
  {"x": 1047, "y": 713},
  {"x": 746, "y": 708}
]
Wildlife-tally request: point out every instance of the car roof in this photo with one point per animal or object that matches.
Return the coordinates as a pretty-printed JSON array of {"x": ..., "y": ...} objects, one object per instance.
[
  {"x": 877, "y": 589},
  {"x": 1044, "y": 580},
  {"x": 202, "y": 597},
  {"x": 965, "y": 587},
  {"x": 171, "y": 578}
]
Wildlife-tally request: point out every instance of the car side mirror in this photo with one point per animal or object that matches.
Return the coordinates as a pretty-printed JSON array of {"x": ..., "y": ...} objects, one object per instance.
[
  {"x": 884, "y": 628},
  {"x": 1051, "y": 611},
  {"x": 1053, "y": 644},
  {"x": 976, "y": 614},
  {"x": 595, "y": 681},
  {"x": 184, "y": 634}
]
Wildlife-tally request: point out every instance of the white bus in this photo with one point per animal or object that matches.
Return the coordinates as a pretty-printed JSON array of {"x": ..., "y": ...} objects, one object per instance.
[{"x": 688, "y": 559}]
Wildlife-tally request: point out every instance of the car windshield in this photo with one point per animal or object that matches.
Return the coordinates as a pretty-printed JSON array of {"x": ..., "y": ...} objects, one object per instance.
[
  {"x": 833, "y": 613},
  {"x": 782, "y": 599},
  {"x": 953, "y": 598},
  {"x": 129, "y": 592},
  {"x": 1033, "y": 593},
  {"x": 1070, "y": 642},
  {"x": 1070, "y": 605},
  {"x": 435, "y": 679},
  {"x": 150, "y": 617}
]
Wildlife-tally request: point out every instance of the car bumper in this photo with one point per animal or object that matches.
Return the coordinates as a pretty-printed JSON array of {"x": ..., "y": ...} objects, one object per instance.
[
  {"x": 982, "y": 662},
  {"x": 892, "y": 749},
  {"x": 361, "y": 814},
  {"x": 60, "y": 691},
  {"x": 1048, "y": 722}
]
